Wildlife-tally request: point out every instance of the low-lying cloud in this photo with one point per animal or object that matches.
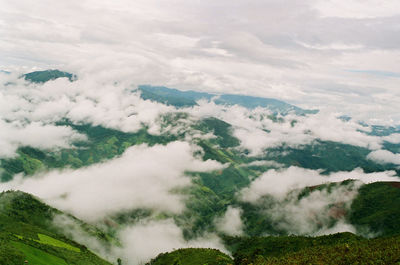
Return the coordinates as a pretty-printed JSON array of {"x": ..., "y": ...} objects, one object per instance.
[
  {"x": 142, "y": 177},
  {"x": 144, "y": 241},
  {"x": 384, "y": 157},
  {"x": 313, "y": 213},
  {"x": 279, "y": 182},
  {"x": 35, "y": 134},
  {"x": 257, "y": 131},
  {"x": 231, "y": 223}
]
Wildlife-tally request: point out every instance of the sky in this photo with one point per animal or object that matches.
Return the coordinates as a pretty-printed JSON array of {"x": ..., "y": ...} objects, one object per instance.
[{"x": 336, "y": 55}]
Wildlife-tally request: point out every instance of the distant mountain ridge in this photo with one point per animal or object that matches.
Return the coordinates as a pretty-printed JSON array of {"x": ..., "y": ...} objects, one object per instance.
[
  {"x": 48, "y": 75},
  {"x": 178, "y": 98}
]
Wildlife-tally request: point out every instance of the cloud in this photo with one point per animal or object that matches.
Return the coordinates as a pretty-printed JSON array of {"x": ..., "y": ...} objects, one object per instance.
[
  {"x": 318, "y": 213},
  {"x": 235, "y": 47},
  {"x": 35, "y": 134},
  {"x": 358, "y": 9},
  {"x": 145, "y": 241},
  {"x": 384, "y": 157},
  {"x": 73, "y": 229},
  {"x": 231, "y": 223},
  {"x": 143, "y": 177},
  {"x": 313, "y": 214},
  {"x": 257, "y": 131},
  {"x": 393, "y": 138},
  {"x": 278, "y": 183}
]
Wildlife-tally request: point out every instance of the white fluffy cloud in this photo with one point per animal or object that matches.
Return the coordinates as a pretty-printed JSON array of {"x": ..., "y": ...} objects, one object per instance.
[
  {"x": 257, "y": 131},
  {"x": 142, "y": 177},
  {"x": 384, "y": 157},
  {"x": 110, "y": 104},
  {"x": 279, "y": 182},
  {"x": 35, "y": 134},
  {"x": 145, "y": 241},
  {"x": 311, "y": 214},
  {"x": 340, "y": 55},
  {"x": 393, "y": 138},
  {"x": 231, "y": 223}
]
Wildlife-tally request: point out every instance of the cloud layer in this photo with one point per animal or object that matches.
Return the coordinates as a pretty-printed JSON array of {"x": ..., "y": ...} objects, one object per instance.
[
  {"x": 336, "y": 55},
  {"x": 142, "y": 177},
  {"x": 279, "y": 182}
]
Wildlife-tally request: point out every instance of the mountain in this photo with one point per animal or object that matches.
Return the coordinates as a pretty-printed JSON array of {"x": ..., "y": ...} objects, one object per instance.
[
  {"x": 189, "y": 98},
  {"x": 180, "y": 98},
  {"x": 341, "y": 248},
  {"x": 269, "y": 206},
  {"x": 192, "y": 256},
  {"x": 47, "y": 75}
]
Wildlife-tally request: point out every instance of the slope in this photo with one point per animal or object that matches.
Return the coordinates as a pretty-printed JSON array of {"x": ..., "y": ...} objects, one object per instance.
[{"x": 28, "y": 233}]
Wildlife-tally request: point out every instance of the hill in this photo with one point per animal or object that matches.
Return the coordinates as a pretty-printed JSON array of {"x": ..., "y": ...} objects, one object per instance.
[
  {"x": 189, "y": 98},
  {"x": 343, "y": 248},
  {"x": 214, "y": 199},
  {"x": 192, "y": 256},
  {"x": 29, "y": 234},
  {"x": 47, "y": 75}
]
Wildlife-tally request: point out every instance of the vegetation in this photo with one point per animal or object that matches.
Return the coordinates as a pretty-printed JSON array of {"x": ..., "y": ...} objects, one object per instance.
[
  {"x": 328, "y": 156},
  {"x": 47, "y": 75},
  {"x": 37, "y": 256},
  {"x": 341, "y": 248},
  {"x": 192, "y": 256},
  {"x": 180, "y": 98},
  {"x": 376, "y": 209},
  {"x": 374, "y": 251},
  {"x": 249, "y": 250},
  {"x": 102, "y": 143},
  {"x": 28, "y": 233}
]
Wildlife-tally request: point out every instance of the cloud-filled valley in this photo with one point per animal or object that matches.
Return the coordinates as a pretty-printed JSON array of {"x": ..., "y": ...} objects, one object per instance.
[
  {"x": 197, "y": 124},
  {"x": 163, "y": 179}
]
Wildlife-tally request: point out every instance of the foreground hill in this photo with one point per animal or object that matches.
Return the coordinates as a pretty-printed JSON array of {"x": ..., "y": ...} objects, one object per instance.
[
  {"x": 192, "y": 256},
  {"x": 29, "y": 234},
  {"x": 342, "y": 248}
]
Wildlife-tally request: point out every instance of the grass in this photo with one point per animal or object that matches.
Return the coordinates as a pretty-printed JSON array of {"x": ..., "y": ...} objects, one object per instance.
[
  {"x": 192, "y": 256},
  {"x": 43, "y": 239},
  {"x": 36, "y": 256}
]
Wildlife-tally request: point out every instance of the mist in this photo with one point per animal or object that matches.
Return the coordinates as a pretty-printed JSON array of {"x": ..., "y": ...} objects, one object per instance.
[{"x": 141, "y": 178}]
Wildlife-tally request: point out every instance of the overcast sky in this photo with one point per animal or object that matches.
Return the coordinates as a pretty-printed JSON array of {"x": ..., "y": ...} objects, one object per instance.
[{"x": 337, "y": 54}]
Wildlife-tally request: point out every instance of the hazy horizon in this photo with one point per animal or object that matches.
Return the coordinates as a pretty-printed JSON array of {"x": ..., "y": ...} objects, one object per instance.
[{"x": 335, "y": 55}]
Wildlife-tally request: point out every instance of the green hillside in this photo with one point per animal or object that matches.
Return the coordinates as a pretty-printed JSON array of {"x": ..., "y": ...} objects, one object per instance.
[
  {"x": 343, "y": 248},
  {"x": 47, "y": 75},
  {"x": 28, "y": 233},
  {"x": 376, "y": 208},
  {"x": 192, "y": 256},
  {"x": 179, "y": 98}
]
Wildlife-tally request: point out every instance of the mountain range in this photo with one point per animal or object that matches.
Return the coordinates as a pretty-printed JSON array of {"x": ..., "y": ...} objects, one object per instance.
[{"x": 298, "y": 194}]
